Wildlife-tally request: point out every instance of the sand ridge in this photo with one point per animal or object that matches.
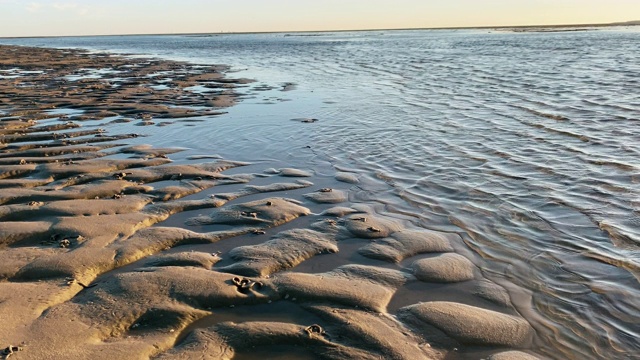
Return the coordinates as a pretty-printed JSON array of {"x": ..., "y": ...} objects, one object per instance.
[{"x": 89, "y": 267}]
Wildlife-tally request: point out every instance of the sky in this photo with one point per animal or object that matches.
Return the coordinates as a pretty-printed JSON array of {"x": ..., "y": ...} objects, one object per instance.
[{"x": 103, "y": 17}]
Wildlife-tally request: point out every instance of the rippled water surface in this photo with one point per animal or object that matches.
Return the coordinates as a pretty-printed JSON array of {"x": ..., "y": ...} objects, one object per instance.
[{"x": 526, "y": 144}]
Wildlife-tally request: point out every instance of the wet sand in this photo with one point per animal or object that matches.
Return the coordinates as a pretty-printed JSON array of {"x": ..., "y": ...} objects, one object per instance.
[{"x": 113, "y": 250}]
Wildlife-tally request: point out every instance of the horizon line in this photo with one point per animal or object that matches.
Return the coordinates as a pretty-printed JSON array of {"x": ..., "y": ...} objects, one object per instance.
[{"x": 614, "y": 24}]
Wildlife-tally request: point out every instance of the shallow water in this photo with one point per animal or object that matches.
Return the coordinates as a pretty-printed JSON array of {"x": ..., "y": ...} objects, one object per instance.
[{"x": 526, "y": 144}]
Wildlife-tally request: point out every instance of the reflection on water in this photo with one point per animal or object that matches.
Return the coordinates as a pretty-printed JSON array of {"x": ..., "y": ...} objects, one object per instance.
[{"x": 526, "y": 144}]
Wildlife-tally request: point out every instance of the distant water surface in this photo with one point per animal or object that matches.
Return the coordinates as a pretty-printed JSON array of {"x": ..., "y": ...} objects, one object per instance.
[{"x": 527, "y": 144}]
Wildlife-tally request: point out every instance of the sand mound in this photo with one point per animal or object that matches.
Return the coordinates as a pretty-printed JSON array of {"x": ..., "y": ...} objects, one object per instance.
[
  {"x": 197, "y": 259},
  {"x": 89, "y": 261},
  {"x": 259, "y": 189},
  {"x": 347, "y": 178},
  {"x": 140, "y": 312},
  {"x": 492, "y": 292},
  {"x": 513, "y": 355},
  {"x": 289, "y": 172},
  {"x": 369, "y": 226},
  {"x": 339, "y": 211},
  {"x": 285, "y": 251},
  {"x": 343, "y": 334},
  {"x": 407, "y": 243},
  {"x": 470, "y": 325},
  {"x": 264, "y": 213},
  {"x": 377, "y": 334},
  {"x": 226, "y": 340},
  {"x": 444, "y": 268},
  {"x": 353, "y": 285},
  {"x": 327, "y": 196}
]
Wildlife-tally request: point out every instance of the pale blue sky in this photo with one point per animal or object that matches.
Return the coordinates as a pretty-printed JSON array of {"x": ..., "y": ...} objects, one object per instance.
[{"x": 69, "y": 17}]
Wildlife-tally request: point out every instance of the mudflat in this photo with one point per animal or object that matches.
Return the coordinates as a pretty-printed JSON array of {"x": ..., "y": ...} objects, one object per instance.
[{"x": 117, "y": 250}]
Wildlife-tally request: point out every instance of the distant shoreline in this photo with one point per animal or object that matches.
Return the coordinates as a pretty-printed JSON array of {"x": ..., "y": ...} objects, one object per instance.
[{"x": 516, "y": 28}]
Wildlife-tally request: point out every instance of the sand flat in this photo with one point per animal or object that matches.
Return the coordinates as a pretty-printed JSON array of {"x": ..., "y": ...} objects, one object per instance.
[{"x": 91, "y": 270}]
